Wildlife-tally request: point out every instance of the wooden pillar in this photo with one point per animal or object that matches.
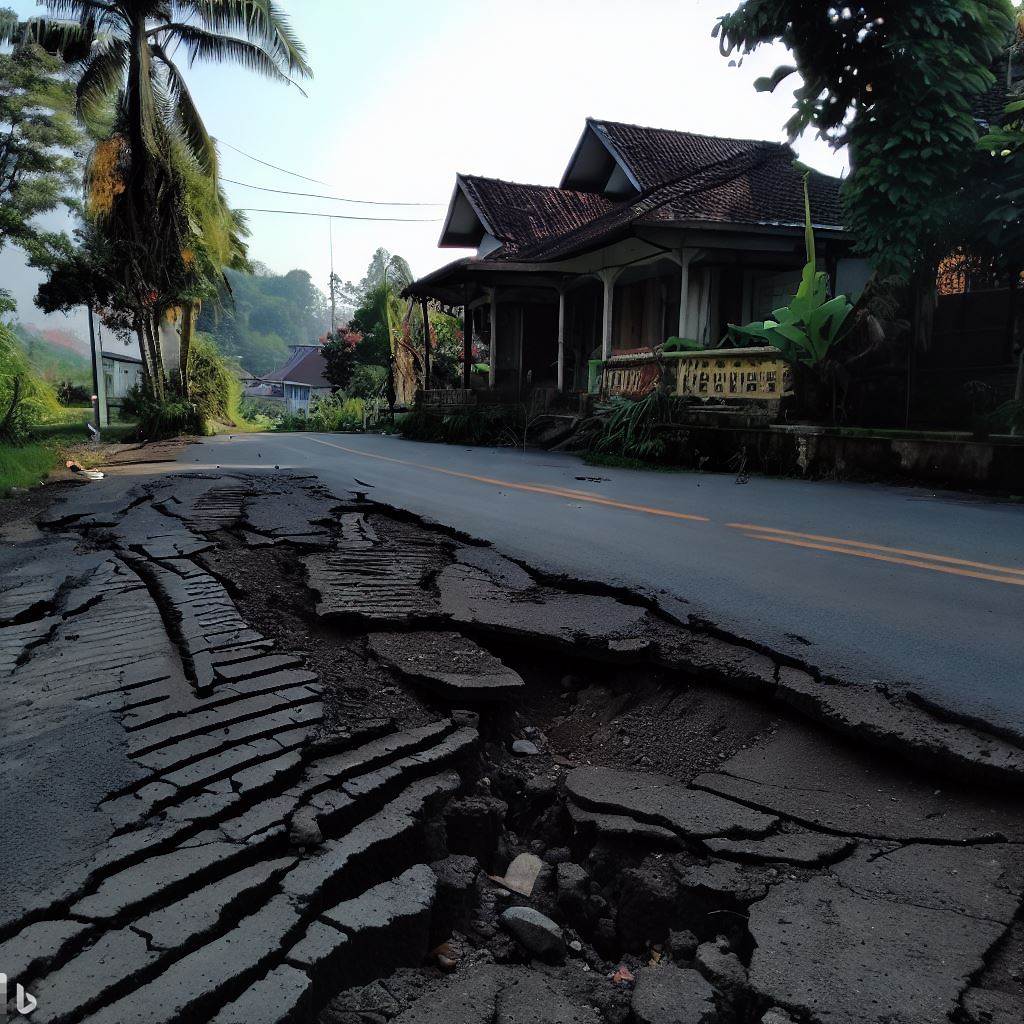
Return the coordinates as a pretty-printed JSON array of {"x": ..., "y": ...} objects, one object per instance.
[
  {"x": 426, "y": 343},
  {"x": 685, "y": 257},
  {"x": 467, "y": 342},
  {"x": 492, "y": 362},
  {"x": 561, "y": 339},
  {"x": 608, "y": 278}
]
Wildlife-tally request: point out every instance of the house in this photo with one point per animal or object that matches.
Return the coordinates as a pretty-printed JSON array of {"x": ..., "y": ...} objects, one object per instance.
[
  {"x": 121, "y": 373},
  {"x": 298, "y": 382},
  {"x": 650, "y": 234}
]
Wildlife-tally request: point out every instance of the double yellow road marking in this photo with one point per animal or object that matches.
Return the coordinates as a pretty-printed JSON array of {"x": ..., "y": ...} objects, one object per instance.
[
  {"x": 816, "y": 542},
  {"x": 558, "y": 492},
  {"x": 883, "y": 553}
]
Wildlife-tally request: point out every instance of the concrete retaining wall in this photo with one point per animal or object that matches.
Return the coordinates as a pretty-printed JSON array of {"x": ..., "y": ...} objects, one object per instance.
[{"x": 995, "y": 465}]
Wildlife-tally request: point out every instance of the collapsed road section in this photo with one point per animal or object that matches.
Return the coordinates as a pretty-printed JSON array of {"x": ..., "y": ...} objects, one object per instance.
[{"x": 277, "y": 755}]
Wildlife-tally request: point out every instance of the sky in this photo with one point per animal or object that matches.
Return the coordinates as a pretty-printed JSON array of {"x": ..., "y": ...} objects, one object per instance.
[{"x": 406, "y": 94}]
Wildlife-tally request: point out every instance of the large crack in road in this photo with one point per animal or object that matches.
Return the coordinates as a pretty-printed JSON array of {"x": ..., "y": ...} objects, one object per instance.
[{"x": 283, "y": 755}]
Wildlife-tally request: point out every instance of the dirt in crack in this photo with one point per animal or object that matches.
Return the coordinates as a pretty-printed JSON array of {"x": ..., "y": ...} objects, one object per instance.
[
  {"x": 521, "y": 800},
  {"x": 579, "y": 874}
]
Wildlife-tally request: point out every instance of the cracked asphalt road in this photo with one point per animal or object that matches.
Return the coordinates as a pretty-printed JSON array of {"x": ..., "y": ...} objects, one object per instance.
[
  {"x": 900, "y": 586},
  {"x": 238, "y": 831}
]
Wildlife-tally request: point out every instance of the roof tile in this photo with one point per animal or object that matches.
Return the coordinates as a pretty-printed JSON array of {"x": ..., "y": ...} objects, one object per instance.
[{"x": 523, "y": 215}]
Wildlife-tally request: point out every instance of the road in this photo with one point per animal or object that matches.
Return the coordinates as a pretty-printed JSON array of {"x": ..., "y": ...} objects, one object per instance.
[{"x": 903, "y": 586}]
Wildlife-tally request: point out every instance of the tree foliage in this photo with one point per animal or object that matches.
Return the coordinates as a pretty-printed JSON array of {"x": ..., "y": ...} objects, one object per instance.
[
  {"x": 896, "y": 82},
  {"x": 259, "y": 314},
  {"x": 161, "y": 232},
  {"x": 1001, "y": 199},
  {"x": 39, "y": 168},
  {"x": 24, "y": 397},
  {"x": 339, "y": 353},
  {"x": 808, "y": 328}
]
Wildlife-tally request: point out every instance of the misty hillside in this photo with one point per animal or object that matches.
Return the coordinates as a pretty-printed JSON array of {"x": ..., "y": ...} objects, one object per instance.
[
  {"x": 56, "y": 354},
  {"x": 264, "y": 314}
]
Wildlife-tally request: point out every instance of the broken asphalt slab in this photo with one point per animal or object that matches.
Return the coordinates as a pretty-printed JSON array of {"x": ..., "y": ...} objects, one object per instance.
[
  {"x": 834, "y": 786},
  {"x": 194, "y": 899},
  {"x": 447, "y": 664}
]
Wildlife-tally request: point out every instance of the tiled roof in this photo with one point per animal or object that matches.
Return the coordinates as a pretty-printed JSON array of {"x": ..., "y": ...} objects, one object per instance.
[
  {"x": 769, "y": 193},
  {"x": 759, "y": 187},
  {"x": 657, "y": 155},
  {"x": 306, "y": 365},
  {"x": 683, "y": 178},
  {"x": 521, "y": 215}
]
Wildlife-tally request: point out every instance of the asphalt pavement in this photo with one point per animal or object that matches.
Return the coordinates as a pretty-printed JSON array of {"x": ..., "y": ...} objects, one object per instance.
[{"x": 903, "y": 586}]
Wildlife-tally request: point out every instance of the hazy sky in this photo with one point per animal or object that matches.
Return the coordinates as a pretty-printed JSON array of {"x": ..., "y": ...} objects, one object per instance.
[{"x": 407, "y": 93}]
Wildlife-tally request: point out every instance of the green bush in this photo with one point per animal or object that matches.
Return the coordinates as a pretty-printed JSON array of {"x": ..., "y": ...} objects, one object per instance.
[
  {"x": 24, "y": 397},
  {"x": 327, "y": 414},
  {"x": 214, "y": 390},
  {"x": 637, "y": 429},
  {"x": 215, "y": 397},
  {"x": 1008, "y": 417},
  {"x": 498, "y": 425},
  {"x": 69, "y": 393},
  {"x": 336, "y": 412},
  {"x": 168, "y": 418},
  {"x": 262, "y": 409},
  {"x": 367, "y": 381}
]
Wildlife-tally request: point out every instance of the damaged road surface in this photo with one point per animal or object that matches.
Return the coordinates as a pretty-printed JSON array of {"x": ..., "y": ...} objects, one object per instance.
[{"x": 272, "y": 754}]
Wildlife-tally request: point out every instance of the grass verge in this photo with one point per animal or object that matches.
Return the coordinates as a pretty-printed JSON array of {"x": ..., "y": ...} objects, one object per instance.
[
  {"x": 49, "y": 444},
  {"x": 25, "y": 465}
]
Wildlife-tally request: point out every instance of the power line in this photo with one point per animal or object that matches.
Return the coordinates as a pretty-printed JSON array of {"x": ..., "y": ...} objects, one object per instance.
[
  {"x": 316, "y": 181},
  {"x": 315, "y": 195},
  {"x": 342, "y": 216}
]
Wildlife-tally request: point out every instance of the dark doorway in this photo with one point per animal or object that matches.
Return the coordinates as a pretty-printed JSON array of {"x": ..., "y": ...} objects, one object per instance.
[{"x": 540, "y": 345}]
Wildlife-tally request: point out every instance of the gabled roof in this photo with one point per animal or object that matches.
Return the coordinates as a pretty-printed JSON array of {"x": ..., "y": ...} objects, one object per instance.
[
  {"x": 758, "y": 189},
  {"x": 649, "y": 156},
  {"x": 768, "y": 193},
  {"x": 517, "y": 214},
  {"x": 624, "y": 175},
  {"x": 305, "y": 365}
]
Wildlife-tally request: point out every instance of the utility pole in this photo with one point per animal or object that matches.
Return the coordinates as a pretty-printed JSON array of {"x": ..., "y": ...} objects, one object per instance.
[
  {"x": 330, "y": 236},
  {"x": 99, "y": 384}
]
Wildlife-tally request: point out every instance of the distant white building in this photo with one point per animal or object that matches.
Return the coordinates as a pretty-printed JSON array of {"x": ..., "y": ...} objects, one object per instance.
[
  {"x": 121, "y": 372},
  {"x": 298, "y": 382}
]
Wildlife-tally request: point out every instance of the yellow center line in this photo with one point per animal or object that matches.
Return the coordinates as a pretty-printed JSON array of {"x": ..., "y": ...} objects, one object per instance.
[
  {"x": 1005, "y": 569},
  {"x": 875, "y": 556},
  {"x": 557, "y": 492},
  {"x": 818, "y": 542}
]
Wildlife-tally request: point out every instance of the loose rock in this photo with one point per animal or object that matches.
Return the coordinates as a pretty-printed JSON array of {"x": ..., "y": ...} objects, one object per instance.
[
  {"x": 673, "y": 995},
  {"x": 536, "y": 933},
  {"x": 525, "y": 748}
]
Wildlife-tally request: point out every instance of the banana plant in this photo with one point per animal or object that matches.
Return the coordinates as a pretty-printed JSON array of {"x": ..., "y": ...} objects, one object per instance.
[{"x": 805, "y": 330}]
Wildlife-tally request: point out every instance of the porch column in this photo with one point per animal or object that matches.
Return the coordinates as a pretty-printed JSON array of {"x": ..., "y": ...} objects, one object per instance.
[
  {"x": 684, "y": 257},
  {"x": 426, "y": 343},
  {"x": 467, "y": 339},
  {"x": 608, "y": 278},
  {"x": 561, "y": 339},
  {"x": 492, "y": 363}
]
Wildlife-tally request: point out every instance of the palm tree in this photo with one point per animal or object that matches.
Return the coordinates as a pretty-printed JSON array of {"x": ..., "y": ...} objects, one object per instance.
[
  {"x": 147, "y": 173},
  {"x": 123, "y": 53}
]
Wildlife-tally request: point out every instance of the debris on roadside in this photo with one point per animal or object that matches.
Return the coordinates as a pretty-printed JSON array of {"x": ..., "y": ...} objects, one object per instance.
[
  {"x": 521, "y": 874},
  {"x": 623, "y": 978},
  {"x": 79, "y": 470}
]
